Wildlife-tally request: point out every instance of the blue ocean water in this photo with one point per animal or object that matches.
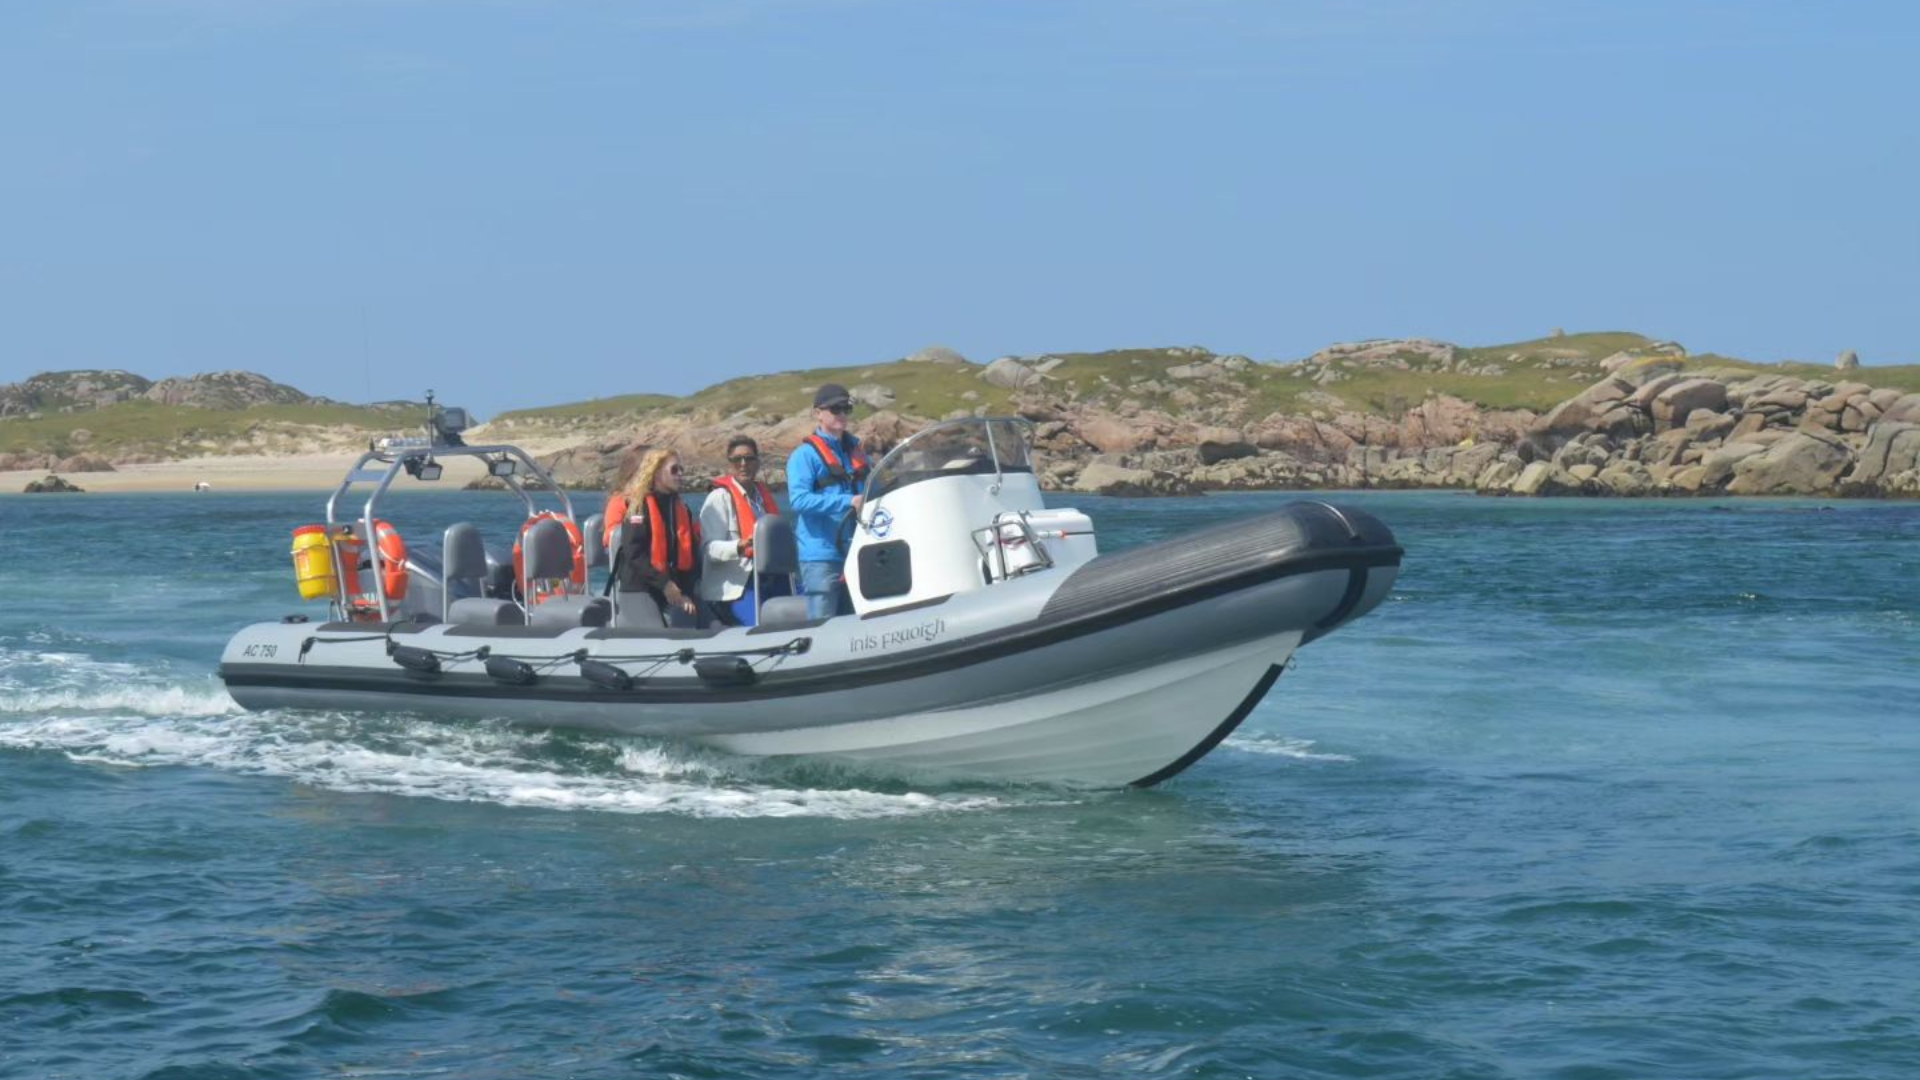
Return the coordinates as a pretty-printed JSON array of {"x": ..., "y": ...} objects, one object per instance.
[{"x": 1606, "y": 789}]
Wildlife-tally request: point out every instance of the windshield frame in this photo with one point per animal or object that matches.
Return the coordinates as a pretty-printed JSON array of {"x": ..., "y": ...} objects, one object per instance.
[{"x": 1021, "y": 424}]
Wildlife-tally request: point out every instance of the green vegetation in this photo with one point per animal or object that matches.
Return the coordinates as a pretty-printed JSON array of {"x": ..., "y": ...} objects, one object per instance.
[
  {"x": 1385, "y": 378},
  {"x": 595, "y": 409},
  {"x": 137, "y": 425},
  {"x": 1902, "y": 377}
]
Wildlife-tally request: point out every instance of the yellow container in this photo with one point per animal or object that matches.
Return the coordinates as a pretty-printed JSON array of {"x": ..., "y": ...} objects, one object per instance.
[{"x": 313, "y": 563}]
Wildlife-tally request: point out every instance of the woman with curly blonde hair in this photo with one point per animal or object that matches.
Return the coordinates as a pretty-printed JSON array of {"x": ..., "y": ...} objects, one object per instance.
[{"x": 660, "y": 554}]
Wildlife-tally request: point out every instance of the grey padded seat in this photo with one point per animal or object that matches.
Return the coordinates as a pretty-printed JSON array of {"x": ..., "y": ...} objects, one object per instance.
[
  {"x": 593, "y": 540},
  {"x": 549, "y": 554},
  {"x": 464, "y": 558},
  {"x": 775, "y": 551},
  {"x": 632, "y": 610}
]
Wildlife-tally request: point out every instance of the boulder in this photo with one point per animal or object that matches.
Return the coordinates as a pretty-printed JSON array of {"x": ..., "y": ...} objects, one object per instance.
[
  {"x": 1629, "y": 479},
  {"x": 1790, "y": 396},
  {"x": 1671, "y": 407},
  {"x": 52, "y": 485},
  {"x": 1705, "y": 424},
  {"x": 1717, "y": 467},
  {"x": 1498, "y": 476},
  {"x": 1892, "y": 448},
  {"x": 1689, "y": 480},
  {"x": 1112, "y": 435},
  {"x": 1800, "y": 464},
  {"x": 1010, "y": 373},
  {"x": 1848, "y": 360},
  {"x": 1532, "y": 478},
  {"x": 1102, "y": 478},
  {"x": 1905, "y": 410},
  {"x": 1578, "y": 413},
  {"x": 1643, "y": 398},
  {"x": 872, "y": 395},
  {"x": 936, "y": 354},
  {"x": 1212, "y": 451}
]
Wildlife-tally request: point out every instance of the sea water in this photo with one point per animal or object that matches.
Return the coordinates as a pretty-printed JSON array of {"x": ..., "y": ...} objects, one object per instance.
[{"x": 1605, "y": 789}]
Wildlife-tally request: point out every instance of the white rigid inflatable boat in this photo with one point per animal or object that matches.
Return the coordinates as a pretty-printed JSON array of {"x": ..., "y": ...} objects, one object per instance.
[{"x": 990, "y": 639}]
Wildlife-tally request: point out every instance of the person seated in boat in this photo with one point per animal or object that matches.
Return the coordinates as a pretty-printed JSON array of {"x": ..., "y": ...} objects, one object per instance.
[
  {"x": 659, "y": 554},
  {"x": 826, "y": 474},
  {"x": 615, "y": 514},
  {"x": 737, "y": 501}
]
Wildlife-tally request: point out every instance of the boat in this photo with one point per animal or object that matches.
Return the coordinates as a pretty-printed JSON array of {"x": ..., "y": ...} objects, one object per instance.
[{"x": 991, "y": 638}]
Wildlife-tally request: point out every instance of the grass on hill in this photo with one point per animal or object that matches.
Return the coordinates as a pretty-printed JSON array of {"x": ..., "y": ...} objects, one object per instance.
[
  {"x": 135, "y": 424},
  {"x": 921, "y": 389}
]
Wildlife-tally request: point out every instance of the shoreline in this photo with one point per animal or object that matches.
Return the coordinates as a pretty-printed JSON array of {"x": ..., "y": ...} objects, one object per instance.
[{"x": 323, "y": 472}]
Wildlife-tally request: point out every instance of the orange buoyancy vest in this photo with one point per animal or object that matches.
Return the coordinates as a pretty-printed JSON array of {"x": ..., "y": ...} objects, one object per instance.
[
  {"x": 684, "y": 536},
  {"x": 743, "y": 508},
  {"x": 614, "y": 516},
  {"x": 838, "y": 473}
]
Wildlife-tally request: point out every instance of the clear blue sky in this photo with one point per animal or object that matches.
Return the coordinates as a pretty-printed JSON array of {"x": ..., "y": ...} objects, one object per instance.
[{"x": 520, "y": 202}]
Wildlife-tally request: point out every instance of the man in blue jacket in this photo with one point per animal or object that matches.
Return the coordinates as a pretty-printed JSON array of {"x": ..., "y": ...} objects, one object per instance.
[{"x": 825, "y": 475}]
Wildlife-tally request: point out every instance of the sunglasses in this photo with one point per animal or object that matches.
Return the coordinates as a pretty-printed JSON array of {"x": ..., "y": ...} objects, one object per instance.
[
  {"x": 674, "y": 469},
  {"x": 840, "y": 410},
  {"x": 746, "y": 459}
]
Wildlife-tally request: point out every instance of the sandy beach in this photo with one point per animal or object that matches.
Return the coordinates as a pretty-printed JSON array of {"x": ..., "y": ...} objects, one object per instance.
[{"x": 283, "y": 472}]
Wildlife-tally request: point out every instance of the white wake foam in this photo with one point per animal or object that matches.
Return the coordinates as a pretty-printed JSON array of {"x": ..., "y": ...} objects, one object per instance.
[
  {"x": 111, "y": 713},
  {"x": 1280, "y": 746},
  {"x": 418, "y": 758}
]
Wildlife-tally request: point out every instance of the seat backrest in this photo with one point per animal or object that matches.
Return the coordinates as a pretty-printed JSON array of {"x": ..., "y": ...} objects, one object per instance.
[
  {"x": 594, "y": 540},
  {"x": 548, "y": 551},
  {"x": 462, "y": 554},
  {"x": 462, "y": 557},
  {"x": 774, "y": 549}
]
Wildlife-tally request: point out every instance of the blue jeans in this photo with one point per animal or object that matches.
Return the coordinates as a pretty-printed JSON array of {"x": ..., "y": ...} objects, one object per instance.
[{"x": 826, "y": 594}]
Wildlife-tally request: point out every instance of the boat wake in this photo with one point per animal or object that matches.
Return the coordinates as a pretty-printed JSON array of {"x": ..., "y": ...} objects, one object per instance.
[
  {"x": 1279, "y": 746},
  {"x": 112, "y": 714}
]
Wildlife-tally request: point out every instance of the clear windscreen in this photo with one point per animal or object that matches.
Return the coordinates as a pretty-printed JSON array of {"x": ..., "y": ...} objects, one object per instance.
[{"x": 957, "y": 448}]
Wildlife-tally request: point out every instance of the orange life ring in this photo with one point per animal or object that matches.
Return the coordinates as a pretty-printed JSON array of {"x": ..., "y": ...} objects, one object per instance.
[
  {"x": 393, "y": 561},
  {"x": 393, "y": 568},
  {"x": 547, "y": 589}
]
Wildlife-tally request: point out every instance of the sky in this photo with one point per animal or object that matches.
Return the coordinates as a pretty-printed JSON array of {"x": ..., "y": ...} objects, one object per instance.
[{"x": 527, "y": 202}]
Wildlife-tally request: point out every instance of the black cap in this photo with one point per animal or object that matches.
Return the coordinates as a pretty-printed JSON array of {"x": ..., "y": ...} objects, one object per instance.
[{"x": 831, "y": 394}]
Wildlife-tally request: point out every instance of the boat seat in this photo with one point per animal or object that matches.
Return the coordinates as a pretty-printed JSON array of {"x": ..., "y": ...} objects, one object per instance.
[
  {"x": 777, "y": 553},
  {"x": 549, "y": 556},
  {"x": 572, "y": 611},
  {"x": 466, "y": 569},
  {"x": 593, "y": 539},
  {"x": 485, "y": 611},
  {"x": 784, "y": 611},
  {"x": 639, "y": 611}
]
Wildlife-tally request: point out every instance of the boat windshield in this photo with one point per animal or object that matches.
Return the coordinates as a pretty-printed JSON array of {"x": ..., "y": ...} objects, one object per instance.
[{"x": 974, "y": 446}]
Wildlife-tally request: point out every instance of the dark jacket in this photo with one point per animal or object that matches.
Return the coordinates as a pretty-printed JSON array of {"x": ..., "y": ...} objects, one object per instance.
[{"x": 637, "y": 572}]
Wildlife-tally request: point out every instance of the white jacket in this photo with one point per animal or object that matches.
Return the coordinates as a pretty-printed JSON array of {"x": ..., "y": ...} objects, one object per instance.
[{"x": 726, "y": 575}]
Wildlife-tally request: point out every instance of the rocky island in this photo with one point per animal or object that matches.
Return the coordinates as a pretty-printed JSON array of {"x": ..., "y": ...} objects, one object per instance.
[{"x": 1570, "y": 414}]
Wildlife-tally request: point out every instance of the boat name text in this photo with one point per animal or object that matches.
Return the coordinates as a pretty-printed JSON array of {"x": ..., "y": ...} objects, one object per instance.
[{"x": 906, "y": 635}]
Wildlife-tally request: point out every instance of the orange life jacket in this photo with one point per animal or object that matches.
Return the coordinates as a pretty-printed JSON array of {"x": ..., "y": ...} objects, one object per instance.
[
  {"x": 685, "y": 536},
  {"x": 743, "y": 508},
  {"x": 838, "y": 473},
  {"x": 612, "y": 518}
]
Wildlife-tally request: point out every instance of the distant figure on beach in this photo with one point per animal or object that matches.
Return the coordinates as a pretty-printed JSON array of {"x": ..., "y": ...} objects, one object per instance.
[{"x": 202, "y": 485}]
